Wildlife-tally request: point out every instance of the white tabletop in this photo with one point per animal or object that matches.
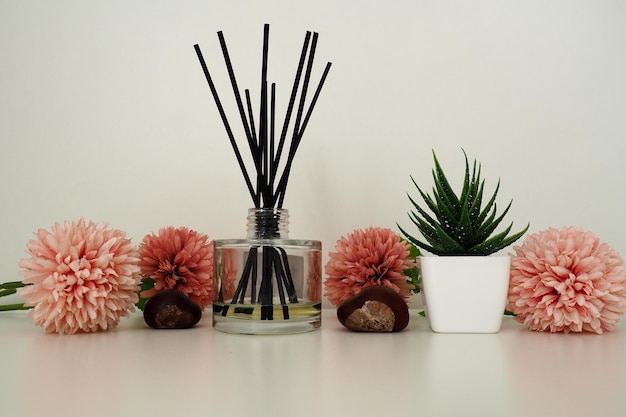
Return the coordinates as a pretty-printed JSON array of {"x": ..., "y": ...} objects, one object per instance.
[{"x": 136, "y": 371}]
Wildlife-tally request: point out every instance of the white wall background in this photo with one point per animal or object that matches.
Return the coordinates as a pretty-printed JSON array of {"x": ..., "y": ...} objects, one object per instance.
[{"x": 105, "y": 113}]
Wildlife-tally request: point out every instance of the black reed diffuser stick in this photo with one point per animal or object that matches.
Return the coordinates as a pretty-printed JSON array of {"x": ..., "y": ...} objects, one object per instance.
[{"x": 266, "y": 156}]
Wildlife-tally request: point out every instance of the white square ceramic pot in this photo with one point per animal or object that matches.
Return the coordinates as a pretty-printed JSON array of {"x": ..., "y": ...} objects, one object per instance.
[{"x": 465, "y": 294}]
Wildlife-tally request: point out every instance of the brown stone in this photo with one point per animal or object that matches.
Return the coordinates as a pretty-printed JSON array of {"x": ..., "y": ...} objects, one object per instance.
[
  {"x": 374, "y": 309},
  {"x": 171, "y": 309},
  {"x": 373, "y": 316}
]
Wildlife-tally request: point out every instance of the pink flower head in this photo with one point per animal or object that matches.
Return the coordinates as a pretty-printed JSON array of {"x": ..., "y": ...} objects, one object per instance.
[
  {"x": 84, "y": 277},
  {"x": 181, "y": 259},
  {"x": 314, "y": 277},
  {"x": 230, "y": 269},
  {"x": 374, "y": 256},
  {"x": 565, "y": 280}
]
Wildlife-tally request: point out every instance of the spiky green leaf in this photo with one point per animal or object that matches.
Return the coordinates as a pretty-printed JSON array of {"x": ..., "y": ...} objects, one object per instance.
[{"x": 459, "y": 224}]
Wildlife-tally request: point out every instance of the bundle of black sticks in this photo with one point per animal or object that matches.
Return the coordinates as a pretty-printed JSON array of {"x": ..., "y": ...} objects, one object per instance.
[{"x": 266, "y": 156}]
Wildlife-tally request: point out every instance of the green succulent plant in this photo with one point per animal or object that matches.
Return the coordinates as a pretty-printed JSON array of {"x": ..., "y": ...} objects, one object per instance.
[{"x": 459, "y": 225}]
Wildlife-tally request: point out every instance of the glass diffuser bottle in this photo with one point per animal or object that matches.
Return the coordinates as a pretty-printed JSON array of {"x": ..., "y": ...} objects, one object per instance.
[{"x": 267, "y": 283}]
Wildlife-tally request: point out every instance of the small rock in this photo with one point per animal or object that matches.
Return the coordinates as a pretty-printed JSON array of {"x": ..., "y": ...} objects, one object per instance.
[
  {"x": 171, "y": 309},
  {"x": 374, "y": 309}
]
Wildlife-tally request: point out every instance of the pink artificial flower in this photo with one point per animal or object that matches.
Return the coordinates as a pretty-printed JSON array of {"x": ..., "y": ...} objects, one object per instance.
[
  {"x": 314, "y": 277},
  {"x": 84, "y": 277},
  {"x": 181, "y": 259},
  {"x": 374, "y": 256},
  {"x": 230, "y": 269},
  {"x": 565, "y": 280}
]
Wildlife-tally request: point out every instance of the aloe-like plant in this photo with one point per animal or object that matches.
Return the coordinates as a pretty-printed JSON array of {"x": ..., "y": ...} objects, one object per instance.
[{"x": 459, "y": 225}]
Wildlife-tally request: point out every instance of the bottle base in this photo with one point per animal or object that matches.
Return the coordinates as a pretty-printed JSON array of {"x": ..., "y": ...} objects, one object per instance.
[{"x": 246, "y": 319}]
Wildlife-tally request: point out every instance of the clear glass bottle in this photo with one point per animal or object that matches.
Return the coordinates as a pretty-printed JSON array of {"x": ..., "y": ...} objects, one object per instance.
[{"x": 267, "y": 283}]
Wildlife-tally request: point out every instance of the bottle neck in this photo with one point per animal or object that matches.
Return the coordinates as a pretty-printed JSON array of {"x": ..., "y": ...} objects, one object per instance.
[{"x": 268, "y": 223}]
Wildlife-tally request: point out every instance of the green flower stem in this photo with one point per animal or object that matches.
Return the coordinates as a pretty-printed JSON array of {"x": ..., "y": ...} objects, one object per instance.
[
  {"x": 10, "y": 307},
  {"x": 8, "y": 288},
  {"x": 7, "y": 292},
  {"x": 12, "y": 285}
]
